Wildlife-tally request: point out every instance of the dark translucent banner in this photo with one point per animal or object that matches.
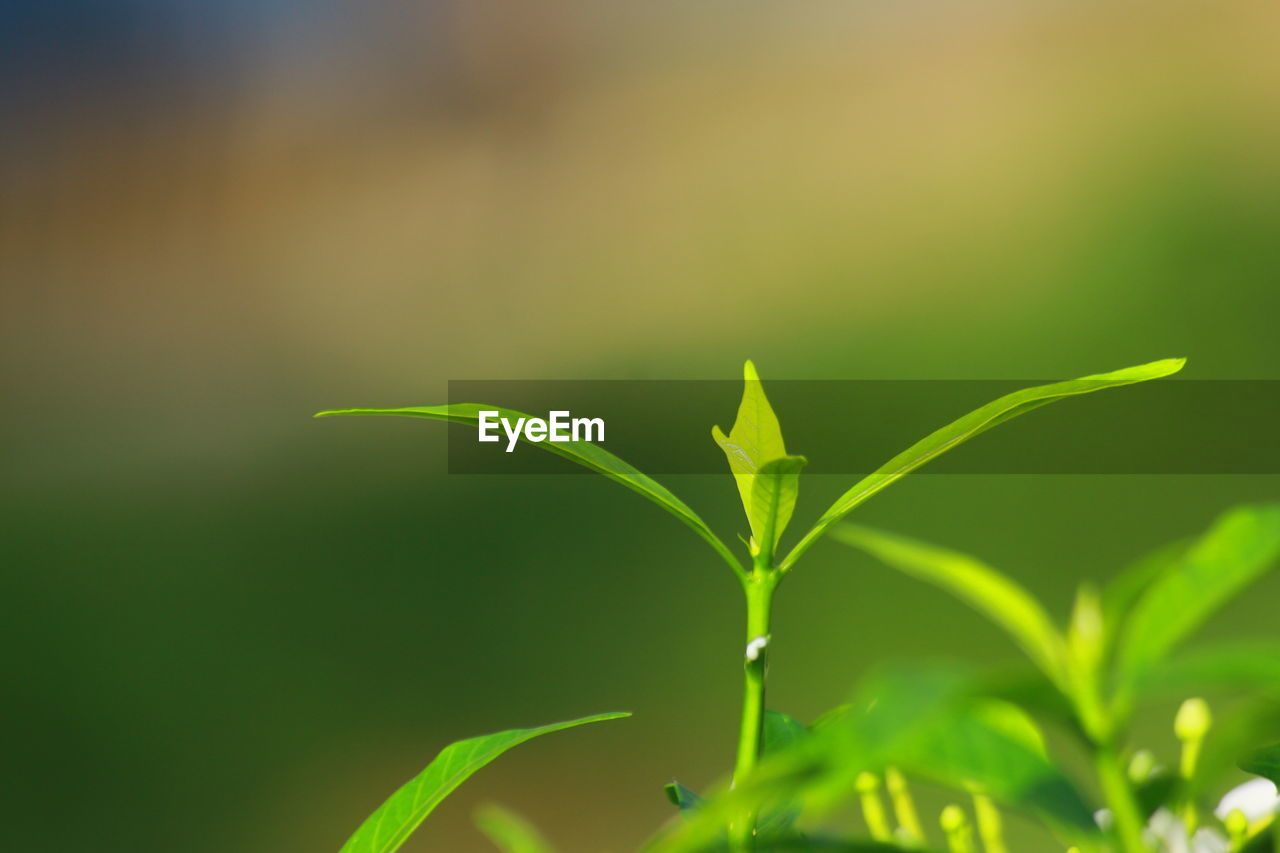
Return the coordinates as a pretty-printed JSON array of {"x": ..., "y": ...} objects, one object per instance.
[{"x": 852, "y": 427}]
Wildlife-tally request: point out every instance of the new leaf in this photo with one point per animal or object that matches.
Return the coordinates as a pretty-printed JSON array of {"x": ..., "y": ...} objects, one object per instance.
[{"x": 767, "y": 478}]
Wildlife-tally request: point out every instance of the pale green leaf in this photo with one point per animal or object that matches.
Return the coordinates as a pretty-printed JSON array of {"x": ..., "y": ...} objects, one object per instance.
[
  {"x": 1240, "y": 546},
  {"x": 396, "y": 819},
  {"x": 509, "y": 832},
  {"x": 584, "y": 453},
  {"x": 972, "y": 424},
  {"x": 773, "y": 499},
  {"x": 755, "y": 439},
  {"x": 992, "y": 594}
]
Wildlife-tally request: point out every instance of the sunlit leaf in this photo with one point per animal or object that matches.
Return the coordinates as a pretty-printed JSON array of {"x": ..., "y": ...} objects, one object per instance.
[
  {"x": 584, "y": 453},
  {"x": 976, "y": 422},
  {"x": 1242, "y": 545},
  {"x": 509, "y": 832},
  {"x": 773, "y": 499},
  {"x": 754, "y": 440},
  {"x": 992, "y": 594},
  {"x": 396, "y": 819}
]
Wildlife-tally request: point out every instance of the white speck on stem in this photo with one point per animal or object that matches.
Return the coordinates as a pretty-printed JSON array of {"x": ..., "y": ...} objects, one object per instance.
[{"x": 755, "y": 647}]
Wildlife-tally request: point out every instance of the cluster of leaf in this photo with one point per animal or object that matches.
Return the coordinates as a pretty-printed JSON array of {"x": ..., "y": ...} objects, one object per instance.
[
  {"x": 969, "y": 730},
  {"x": 981, "y": 731}
]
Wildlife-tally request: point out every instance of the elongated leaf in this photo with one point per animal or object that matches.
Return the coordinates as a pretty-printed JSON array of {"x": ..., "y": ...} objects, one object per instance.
[
  {"x": 584, "y": 453},
  {"x": 755, "y": 439},
  {"x": 1264, "y": 762},
  {"x": 509, "y": 832},
  {"x": 990, "y": 593},
  {"x": 773, "y": 498},
  {"x": 976, "y": 422},
  {"x": 393, "y": 822},
  {"x": 1242, "y": 545}
]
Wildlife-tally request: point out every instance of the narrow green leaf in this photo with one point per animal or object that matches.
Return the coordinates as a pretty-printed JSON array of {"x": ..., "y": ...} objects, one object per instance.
[
  {"x": 976, "y": 422},
  {"x": 773, "y": 499},
  {"x": 755, "y": 439},
  {"x": 396, "y": 819},
  {"x": 509, "y": 832},
  {"x": 990, "y": 593},
  {"x": 584, "y": 453},
  {"x": 1264, "y": 762},
  {"x": 1242, "y": 545}
]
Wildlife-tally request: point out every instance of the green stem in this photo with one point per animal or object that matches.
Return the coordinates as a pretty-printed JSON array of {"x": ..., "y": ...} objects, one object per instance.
[
  {"x": 759, "y": 586},
  {"x": 1118, "y": 793}
]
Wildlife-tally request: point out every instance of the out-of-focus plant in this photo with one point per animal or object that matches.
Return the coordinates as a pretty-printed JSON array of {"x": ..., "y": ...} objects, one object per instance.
[
  {"x": 1116, "y": 647},
  {"x": 988, "y": 744}
]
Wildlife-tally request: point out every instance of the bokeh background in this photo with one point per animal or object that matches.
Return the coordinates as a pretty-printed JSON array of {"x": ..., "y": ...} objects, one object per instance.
[{"x": 231, "y": 628}]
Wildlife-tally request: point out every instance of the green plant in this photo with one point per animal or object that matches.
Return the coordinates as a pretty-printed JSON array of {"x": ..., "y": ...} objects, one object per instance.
[
  {"x": 767, "y": 479},
  {"x": 1116, "y": 646}
]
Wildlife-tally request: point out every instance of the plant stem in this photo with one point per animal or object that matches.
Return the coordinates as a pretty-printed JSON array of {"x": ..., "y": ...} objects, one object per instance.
[
  {"x": 759, "y": 586},
  {"x": 1118, "y": 793}
]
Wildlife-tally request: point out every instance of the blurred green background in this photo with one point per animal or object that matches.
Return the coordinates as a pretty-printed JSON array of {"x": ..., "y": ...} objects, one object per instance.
[{"x": 230, "y": 627}]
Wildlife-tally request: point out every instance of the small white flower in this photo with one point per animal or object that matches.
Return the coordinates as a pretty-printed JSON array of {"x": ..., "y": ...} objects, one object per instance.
[
  {"x": 1209, "y": 841},
  {"x": 755, "y": 647},
  {"x": 1257, "y": 799},
  {"x": 1166, "y": 832}
]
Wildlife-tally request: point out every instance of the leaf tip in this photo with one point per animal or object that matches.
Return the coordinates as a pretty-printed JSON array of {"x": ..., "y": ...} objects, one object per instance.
[{"x": 749, "y": 371}]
